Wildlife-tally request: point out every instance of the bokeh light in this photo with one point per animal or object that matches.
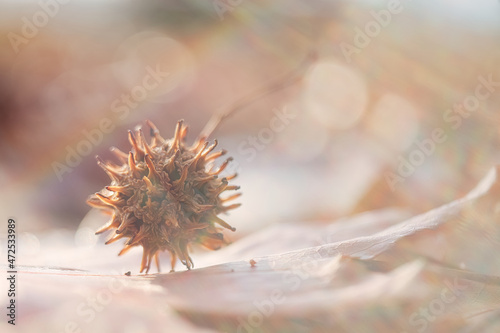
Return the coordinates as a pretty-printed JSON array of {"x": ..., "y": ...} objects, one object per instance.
[
  {"x": 335, "y": 95},
  {"x": 394, "y": 121}
]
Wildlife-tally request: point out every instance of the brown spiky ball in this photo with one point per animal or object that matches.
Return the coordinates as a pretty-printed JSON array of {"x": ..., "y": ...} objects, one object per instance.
[{"x": 165, "y": 196}]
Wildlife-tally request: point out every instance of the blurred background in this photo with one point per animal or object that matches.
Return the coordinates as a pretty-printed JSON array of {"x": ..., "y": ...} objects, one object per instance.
[{"x": 76, "y": 75}]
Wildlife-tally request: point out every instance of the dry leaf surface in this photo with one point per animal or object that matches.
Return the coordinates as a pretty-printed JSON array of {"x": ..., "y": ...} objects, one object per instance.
[{"x": 380, "y": 271}]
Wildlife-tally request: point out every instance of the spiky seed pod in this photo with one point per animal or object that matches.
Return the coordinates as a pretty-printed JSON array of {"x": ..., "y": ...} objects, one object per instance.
[{"x": 165, "y": 196}]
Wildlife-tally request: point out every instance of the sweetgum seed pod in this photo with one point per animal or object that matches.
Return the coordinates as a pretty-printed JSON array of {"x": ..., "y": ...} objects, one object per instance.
[{"x": 165, "y": 196}]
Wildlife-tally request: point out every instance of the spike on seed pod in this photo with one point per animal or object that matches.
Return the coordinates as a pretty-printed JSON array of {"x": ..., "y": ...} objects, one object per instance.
[{"x": 165, "y": 196}]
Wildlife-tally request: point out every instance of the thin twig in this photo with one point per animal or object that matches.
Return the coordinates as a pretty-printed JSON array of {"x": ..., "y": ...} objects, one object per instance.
[{"x": 287, "y": 80}]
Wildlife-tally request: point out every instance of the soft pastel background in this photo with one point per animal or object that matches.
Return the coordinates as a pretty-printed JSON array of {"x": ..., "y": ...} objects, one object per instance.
[{"x": 354, "y": 118}]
